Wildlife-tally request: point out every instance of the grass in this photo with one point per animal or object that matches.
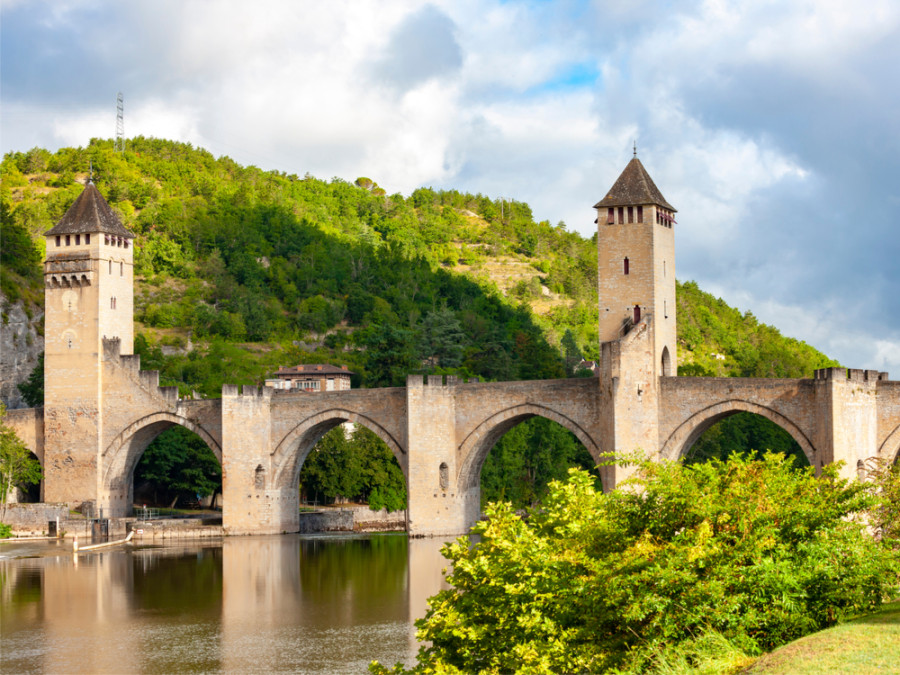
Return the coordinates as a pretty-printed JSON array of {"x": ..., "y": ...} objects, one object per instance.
[{"x": 869, "y": 644}]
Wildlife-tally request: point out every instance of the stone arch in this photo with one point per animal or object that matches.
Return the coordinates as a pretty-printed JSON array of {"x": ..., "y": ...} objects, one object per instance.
[
  {"x": 121, "y": 456},
  {"x": 288, "y": 457},
  {"x": 684, "y": 437},
  {"x": 666, "y": 363},
  {"x": 475, "y": 448},
  {"x": 890, "y": 449}
]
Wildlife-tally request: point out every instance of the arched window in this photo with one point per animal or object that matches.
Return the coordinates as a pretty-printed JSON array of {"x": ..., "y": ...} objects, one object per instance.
[
  {"x": 666, "y": 362},
  {"x": 444, "y": 472},
  {"x": 637, "y": 313},
  {"x": 259, "y": 477}
]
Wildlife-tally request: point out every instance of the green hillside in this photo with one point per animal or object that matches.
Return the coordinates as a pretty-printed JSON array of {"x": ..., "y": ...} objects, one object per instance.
[{"x": 240, "y": 270}]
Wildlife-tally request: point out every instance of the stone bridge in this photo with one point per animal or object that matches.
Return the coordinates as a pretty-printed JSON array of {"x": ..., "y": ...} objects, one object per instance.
[
  {"x": 440, "y": 429},
  {"x": 101, "y": 411}
]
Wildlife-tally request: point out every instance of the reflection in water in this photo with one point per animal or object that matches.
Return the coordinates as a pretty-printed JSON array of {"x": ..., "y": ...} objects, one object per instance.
[{"x": 303, "y": 604}]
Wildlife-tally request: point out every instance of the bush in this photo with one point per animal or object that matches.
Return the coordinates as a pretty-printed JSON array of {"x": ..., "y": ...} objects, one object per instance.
[{"x": 755, "y": 551}]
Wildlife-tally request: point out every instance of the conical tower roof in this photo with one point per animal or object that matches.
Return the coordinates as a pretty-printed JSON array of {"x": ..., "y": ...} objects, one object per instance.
[
  {"x": 634, "y": 188},
  {"x": 90, "y": 213}
]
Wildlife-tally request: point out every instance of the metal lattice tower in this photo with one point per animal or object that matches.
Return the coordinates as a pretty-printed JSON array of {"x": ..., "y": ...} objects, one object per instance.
[{"x": 120, "y": 122}]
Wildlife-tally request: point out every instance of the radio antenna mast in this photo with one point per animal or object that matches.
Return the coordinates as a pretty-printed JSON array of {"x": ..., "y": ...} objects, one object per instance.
[{"x": 120, "y": 123}]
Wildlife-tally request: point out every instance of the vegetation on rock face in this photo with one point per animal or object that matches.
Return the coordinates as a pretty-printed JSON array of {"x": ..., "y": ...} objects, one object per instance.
[
  {"x": 240, "y": 270},
  {"x": 752, "y": 553}
]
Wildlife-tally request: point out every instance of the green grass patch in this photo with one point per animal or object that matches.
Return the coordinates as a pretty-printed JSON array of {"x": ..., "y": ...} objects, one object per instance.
[{"x": 869, "y": 644}]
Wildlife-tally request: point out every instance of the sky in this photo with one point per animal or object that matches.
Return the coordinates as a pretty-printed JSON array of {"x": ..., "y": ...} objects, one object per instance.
[{"x": 773, "y": 126}]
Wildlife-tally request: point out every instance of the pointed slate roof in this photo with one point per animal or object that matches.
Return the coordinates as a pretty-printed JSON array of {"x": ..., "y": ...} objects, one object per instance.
[
  {"x": 90, "y": 213},
  {"x": 634, "y": 188}
]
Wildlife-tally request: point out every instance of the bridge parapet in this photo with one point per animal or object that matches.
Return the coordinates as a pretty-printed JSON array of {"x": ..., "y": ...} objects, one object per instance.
[{"x": 852, "y": 374}]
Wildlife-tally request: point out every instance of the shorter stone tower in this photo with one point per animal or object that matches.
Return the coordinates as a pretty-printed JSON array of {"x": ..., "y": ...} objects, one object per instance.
[{"x": 88, "y": 279}]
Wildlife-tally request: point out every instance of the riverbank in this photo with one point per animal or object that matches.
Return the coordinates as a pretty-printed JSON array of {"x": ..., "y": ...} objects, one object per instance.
[
  {"x": 868, "y": 644},
  {"x": 30, "y": 520}
]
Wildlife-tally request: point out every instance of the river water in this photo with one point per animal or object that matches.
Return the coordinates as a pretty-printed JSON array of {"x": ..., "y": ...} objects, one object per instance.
[{"x": 289, "y": 603}]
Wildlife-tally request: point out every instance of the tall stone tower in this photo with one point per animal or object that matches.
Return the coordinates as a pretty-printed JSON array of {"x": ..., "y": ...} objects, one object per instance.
[
  {"x": 88, "y": 277},
  {"x": 636, "y": 278},
  {"x": 636, "y": 263}
]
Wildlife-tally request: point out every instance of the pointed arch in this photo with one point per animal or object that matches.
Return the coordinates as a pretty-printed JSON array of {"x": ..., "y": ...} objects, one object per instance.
[
  {"x": 474, "y": 449},
  {"x": 122, "y": 455},
  {"x": 683, "y": 438},
  {"x": 288, "y": 457}
]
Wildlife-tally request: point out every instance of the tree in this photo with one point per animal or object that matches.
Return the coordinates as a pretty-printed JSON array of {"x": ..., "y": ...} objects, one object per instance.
[
  {"x": 442, "y": 339},
  {"x": 179, "y": 465},
  {"x": 754, "y": 551},
  {"x": 32, "y": 389},
  {"x": 389, "y": 355},
  {"x": 570, "y": 351},
  {"x": 18, "y": 467}
]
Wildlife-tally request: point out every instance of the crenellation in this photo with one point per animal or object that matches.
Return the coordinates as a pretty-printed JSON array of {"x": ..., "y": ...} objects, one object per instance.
[{"x": 149, "y": 379}]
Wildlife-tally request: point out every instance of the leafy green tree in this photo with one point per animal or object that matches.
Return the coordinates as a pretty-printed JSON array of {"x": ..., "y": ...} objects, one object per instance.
[
  {"x": 389, "y": 356},
  {"x": 571, "y": 353},
  {"x": 178, "y": 465},
  {"x": 442, "y": 339},
  {"x": 32, "y": 389},
  {"x": 527, "y": 458},
  {"x": 357, "y": 467},
  {"x": 752, "y": 550},
  {"x": 18, "y": 466}
]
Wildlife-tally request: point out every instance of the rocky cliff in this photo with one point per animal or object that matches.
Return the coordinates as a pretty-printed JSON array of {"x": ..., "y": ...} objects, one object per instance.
[{"x": 21, "y": 342}]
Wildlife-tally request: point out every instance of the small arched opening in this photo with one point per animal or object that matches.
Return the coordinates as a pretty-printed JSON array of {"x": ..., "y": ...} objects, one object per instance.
[{"x": 666, "y": 363}]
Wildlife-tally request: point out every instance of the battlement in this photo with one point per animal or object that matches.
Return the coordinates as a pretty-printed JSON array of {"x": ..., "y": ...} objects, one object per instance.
[
  {"x": 247, "y": 391},
  {"x": 438, "y": 380},
  {"x": 851, "y": 374}
]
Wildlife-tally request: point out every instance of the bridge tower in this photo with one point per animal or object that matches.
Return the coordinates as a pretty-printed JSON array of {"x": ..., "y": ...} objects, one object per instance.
[
  {"x": 88, "y": 280},
  {"x": 636, "y": 280}
]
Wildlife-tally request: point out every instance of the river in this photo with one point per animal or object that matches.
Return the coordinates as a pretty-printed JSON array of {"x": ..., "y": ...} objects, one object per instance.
[{"x": 289, "y": 603}]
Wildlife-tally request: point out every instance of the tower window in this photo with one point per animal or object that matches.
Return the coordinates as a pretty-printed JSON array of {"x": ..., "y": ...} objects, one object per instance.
[
  {"x": 637, "y": 313},
  {"x": 112, "y": 303},
  {"x": 630, "y": 214},
  {"x": 58, "y": 240},
  {"x": 625, "y": 266},
  {"x": 640, "y": 214},
  {"x": 87, "y": 239},
  {"x": 110, "y": 266},
  {"x": 610, "y": 218},
  {"x": 68, "y": 240},
  {"x": 664, "y": 269},
  {"x": 621, "y": 214},
  {"x": 78, "y": 240},
  {"x": 121, "y": 269},
  {"x": 69, "y": 342},
  {"x": 106, "y": 240},
  {"x": 125, "y": 243}
]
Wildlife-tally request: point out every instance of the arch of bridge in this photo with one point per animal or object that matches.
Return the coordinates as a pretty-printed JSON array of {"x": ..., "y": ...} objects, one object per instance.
[
  {"x": 289, "y": 455},
  {"x": 890, "y": 449},
  {"x": 476, "y": 446},
  {"x": 121, "y": 456},
  {"x": 688, "y": 432}
]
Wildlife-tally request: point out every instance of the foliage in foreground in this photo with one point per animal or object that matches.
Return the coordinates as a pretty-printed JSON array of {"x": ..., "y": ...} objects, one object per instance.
[{"x": 756, "y": 551}]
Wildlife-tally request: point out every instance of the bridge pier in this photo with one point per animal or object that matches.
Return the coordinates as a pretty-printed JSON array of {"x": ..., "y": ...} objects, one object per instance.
[
  {"x": 254, "y": 503},
  {"x": 436, "y": 505}
]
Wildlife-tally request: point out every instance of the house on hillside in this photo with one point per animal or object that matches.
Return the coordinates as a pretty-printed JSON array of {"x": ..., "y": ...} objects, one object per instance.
[
  {"x": 593, "y": 366},
  {"x": 316, "y": 377}
]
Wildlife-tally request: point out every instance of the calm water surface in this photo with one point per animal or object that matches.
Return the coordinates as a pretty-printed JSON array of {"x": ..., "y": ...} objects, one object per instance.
[{"x": 240, "y": 605}]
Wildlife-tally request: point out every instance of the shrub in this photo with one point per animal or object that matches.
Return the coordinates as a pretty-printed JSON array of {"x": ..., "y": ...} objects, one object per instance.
[{"x": 756, "y": 551}]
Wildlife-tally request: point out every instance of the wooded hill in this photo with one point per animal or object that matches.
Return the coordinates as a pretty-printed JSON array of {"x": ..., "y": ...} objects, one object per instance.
[{"x": 240, "y": 270}]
